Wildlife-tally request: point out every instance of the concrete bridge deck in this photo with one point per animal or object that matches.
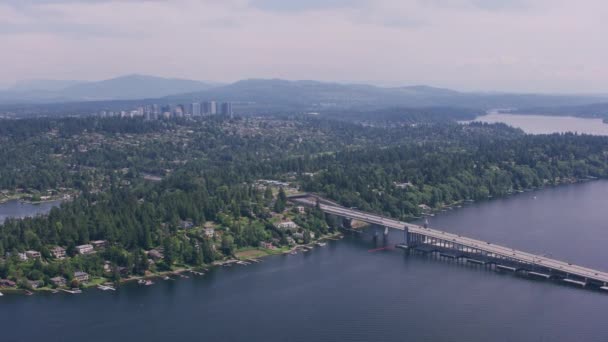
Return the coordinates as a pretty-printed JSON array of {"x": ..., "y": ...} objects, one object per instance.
[{"x": 472, "y": 246}]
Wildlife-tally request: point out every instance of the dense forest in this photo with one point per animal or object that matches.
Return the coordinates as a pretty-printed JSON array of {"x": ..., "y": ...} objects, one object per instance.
[{"x": 143, "y": 185}]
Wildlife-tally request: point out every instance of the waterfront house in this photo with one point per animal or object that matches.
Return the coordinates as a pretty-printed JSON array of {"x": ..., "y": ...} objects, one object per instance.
[
  {"x": 7, "y": 283},
  {"x": 301, "y": 209},
  {"x": 424, "y": 207},
  {"x": 155, "y": 254},
  {"x": 22, "y": 256},
  {"x": 59, "y": 281},
  {"x": 35, "y": 283},
  {"x": 267, "y": 245},
  {"x": 81, "y": 276},
  {"x": 298, "y": 236},
  {"x": 85, "y": 249},
  {"x": 58, "y": 252},
  {"x": 32, "y": 254}
]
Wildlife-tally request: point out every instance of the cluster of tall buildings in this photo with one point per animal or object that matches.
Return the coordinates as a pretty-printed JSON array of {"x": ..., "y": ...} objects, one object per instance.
[{"x": 196, "y": 109}]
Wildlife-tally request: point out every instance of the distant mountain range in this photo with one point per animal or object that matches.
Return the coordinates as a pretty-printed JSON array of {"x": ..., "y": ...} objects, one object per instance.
[
  {"x": 314, "y": 95},
  {"x": 276, "y": 94},
  {"x": 120, "y": 88},
  {"x": 594, "y": 110}
]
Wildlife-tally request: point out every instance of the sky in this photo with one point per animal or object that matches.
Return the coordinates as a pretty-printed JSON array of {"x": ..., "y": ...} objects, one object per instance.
[{"x": 481, "y": 45}]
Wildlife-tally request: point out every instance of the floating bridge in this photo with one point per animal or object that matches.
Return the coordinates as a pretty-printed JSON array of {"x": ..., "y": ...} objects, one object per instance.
[{"x": 473, "y": 251}]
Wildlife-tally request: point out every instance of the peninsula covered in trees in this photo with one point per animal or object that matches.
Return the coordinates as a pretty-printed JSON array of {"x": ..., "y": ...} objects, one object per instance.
[{"x": 156, "y": 196}]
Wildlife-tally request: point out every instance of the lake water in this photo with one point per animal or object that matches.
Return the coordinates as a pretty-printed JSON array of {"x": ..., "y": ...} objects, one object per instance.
[
  {"x": 21, "y": 209},
  {"x": 344, "y": 292},
  {"x": 542, "y": 124}
]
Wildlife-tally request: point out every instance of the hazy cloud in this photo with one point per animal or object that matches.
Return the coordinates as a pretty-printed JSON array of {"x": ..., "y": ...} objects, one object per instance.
[
  {"x": 282, "y": 5},
  {"x": 528, "y": 45}
]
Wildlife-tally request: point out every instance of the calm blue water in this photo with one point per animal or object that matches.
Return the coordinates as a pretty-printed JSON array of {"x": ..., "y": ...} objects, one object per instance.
[
  {"x": 20, "y": 209},
  {"x": 342, "y": 292},
  {"x": 544, "y": 124}
]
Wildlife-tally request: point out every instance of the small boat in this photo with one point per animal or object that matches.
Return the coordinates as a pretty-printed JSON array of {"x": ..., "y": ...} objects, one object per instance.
[
  {"x": 106, "y": 288},
  {"x": 141, "y": 281},
  {"x": 72, "y": 291},
  {"x": 149, "y": 282},
  {"x": 321, "y": 244},
  {"x": 294, "y": 253},
  {"x": 167, "y": 278},
  {"x": 1, "y": 294},
  {"x": 28, "y": 292}
]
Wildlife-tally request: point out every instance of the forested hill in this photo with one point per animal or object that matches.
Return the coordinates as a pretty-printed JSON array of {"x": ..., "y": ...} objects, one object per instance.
[
  {"x": 143, "y": 185},
  {"x": 595, "y": 110},
  {"x": 398, "y": 180}
]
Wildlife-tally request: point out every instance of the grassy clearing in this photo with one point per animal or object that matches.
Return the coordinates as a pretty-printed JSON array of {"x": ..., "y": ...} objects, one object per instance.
[{"x": 251, "y": 254}]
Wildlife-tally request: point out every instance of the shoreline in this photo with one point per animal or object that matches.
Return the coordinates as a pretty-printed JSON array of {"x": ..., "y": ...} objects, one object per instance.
[
  {"x": 285, "y": 251},
  {"x": 198, "y": 271}
]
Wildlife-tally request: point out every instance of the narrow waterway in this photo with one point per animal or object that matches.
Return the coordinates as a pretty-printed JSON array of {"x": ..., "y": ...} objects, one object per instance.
[{"x": 343, "y": 292}]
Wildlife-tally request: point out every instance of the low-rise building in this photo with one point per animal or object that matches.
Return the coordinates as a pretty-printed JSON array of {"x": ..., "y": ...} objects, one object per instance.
[
  {"x": 155, "y": 254},
  {"x": 424, "y": 207},
  {"x": 301, "y": 209},
  {"x": 403, "y": 185},
  {"x": 187, "y": 224},
  {"x": 290, "y": 225},
  {"x": 32, "y": 254},
  {"x": 34, "y": 283},
  {"x": 98, "y": 244},
  {"x": 81, "y": 276},
  {"x": 59, "y": 281},
  {"x": 209, "y": 232},
  {"x": 22, "y": 256},
  {"x": 85, "y": 249},
  {"x": 267, "y": 245},
  {"x": 7, "y": 283},
  {"x": 58, "y": 252}
]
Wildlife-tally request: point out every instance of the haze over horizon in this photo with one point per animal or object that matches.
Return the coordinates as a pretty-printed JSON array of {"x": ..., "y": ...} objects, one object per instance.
[{"x": 470, "y": 45}]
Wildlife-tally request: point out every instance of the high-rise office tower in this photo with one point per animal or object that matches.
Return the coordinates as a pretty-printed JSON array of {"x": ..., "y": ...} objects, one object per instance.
[
  {"x": 195, "y": 109},
  {"x": 212, "y": 107},
  {"x": 226, "y": 109}
]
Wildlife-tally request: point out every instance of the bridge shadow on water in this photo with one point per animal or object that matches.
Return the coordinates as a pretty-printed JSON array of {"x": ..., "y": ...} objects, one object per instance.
[{"x": 374, "y": 240}]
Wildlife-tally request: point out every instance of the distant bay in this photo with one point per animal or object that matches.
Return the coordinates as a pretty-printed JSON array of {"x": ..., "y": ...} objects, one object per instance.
[
  {"x": 19, "y": 209},
  {"x": 544, "y": 124}
]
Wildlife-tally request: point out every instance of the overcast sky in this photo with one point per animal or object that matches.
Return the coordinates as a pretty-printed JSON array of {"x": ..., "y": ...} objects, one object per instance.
[{"x": 510, "y": 45}]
